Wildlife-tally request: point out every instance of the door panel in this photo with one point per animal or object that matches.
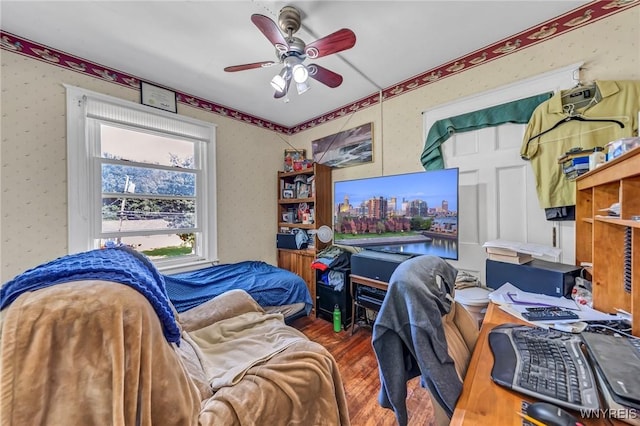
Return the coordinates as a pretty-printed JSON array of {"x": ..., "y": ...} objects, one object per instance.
[
  {"x": 498, "y": 197},
  {"x": 511, "y": 206}
]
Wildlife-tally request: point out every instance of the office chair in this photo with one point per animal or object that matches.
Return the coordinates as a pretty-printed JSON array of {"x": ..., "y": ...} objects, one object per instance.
[
  {"x": 421, "y": 331},
  {"x": 461, "y": 332}
]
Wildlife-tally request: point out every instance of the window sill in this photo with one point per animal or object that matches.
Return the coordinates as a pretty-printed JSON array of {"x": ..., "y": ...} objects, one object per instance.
[{"x": 186, "y": 266}]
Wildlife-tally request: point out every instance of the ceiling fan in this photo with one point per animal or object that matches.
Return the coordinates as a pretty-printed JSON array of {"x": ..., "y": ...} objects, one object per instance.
[{"x": 292, "y": 51}]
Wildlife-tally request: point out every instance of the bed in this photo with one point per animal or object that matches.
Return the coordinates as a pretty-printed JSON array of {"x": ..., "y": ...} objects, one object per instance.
[
  {"x": 275, "y": 289},
  {"x": 76, "y": 350}
]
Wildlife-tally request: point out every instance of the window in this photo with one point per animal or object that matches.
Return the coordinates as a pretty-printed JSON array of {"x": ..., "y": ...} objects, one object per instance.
[{"x": 140, "y": 177}]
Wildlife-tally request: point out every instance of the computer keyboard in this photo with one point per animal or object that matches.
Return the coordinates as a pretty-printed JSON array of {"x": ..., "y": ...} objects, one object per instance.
[{"x": 546, "y": 364}]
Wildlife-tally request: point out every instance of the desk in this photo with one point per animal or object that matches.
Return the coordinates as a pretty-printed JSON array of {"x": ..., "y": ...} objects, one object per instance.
[
  {"x": 360, "y": 280},
  {"x": 482, "y": 402}
]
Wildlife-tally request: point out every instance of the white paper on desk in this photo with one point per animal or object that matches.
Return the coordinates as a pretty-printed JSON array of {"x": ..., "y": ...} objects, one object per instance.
[
  {"x": 585, "y": 313},
  {"x": 529, "y": 248},
  {"x": 512, "y": 295}
]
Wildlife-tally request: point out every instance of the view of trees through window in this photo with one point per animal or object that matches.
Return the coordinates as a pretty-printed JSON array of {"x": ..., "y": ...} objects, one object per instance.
[{"x": 148, "y": 192}]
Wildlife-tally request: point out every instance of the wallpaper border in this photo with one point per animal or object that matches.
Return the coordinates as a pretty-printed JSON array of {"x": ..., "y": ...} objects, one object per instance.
[{"x": 577, "y": 18}]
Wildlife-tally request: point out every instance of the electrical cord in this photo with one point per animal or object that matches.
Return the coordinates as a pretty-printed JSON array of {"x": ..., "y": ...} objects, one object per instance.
[{"x": 615, "y": 330}]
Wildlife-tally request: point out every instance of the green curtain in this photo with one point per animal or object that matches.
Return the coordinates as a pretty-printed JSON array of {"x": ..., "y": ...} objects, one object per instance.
[{"x": 512, "y": 112}]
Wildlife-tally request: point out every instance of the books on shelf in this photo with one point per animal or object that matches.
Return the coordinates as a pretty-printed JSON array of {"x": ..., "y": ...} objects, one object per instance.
[
  {"x": 575, "y": 162},
  {"x": 501, "y": 254}
]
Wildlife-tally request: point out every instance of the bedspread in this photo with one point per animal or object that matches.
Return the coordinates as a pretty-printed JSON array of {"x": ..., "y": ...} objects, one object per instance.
[{"x": 267, "y": 284}]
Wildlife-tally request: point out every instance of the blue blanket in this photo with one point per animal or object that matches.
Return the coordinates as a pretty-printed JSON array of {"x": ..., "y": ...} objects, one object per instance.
[
  {"x": 267, "y": 284},
  {"x": 117, "y": 264}
]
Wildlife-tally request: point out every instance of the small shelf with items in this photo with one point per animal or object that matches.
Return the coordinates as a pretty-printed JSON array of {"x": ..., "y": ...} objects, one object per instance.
[
  {"x": 304, "y": 204},
  {"x": 611, "y": 242},
  {"x": 304, "y": 200}
]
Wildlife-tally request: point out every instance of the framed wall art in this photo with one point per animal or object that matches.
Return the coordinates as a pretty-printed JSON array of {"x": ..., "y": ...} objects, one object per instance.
[
  {"x": 158, "y": 97},
  {"x": 347, "y": 148}
]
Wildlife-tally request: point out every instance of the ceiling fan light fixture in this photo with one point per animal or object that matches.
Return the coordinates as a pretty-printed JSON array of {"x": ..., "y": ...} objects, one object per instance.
[
  {"x": 300, "y": 73},
  {"x": 302, "y": 87},
  {"x": 279, "y": 81},
  {"x": 292, "y": 51}
]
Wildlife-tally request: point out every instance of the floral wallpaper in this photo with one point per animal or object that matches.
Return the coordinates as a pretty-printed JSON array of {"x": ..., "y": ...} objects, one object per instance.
[{"x": 33, "y": 186}]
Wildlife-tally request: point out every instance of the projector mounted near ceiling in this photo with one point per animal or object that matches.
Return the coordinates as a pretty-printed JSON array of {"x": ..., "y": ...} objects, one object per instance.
[{"x": 292, "y": 52}]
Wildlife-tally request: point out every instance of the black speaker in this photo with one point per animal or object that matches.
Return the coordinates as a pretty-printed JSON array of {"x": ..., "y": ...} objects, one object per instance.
[
  {"x": 288, "y": 241},
  {"x": 375, "y": 264},
  {"x": 537, "y": 276}
]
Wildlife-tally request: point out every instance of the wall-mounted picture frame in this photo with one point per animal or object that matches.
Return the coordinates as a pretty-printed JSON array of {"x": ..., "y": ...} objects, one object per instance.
[
  {"x": 344, "y": 149},
  {"x": 158, "y": 97},
  {"x": 288, "y": 193}
]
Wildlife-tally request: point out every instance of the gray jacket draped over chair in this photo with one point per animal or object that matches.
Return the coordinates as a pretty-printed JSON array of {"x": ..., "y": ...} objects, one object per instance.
[{"x": 409, "y": 338}]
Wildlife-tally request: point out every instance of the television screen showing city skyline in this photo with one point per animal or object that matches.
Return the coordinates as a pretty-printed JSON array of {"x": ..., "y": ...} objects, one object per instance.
[{"x": 412, "y": 213}]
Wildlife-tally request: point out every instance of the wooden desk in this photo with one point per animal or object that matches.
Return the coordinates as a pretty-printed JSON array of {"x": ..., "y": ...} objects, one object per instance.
[
  {"x": 360, "y": 280},
  {"x": 482, "y": 402}
]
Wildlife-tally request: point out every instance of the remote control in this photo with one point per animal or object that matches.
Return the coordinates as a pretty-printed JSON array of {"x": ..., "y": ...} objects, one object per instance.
[{"x": 543, "y": 308}]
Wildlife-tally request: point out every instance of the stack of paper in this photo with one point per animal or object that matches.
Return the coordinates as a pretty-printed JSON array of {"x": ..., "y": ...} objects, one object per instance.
[
  {"x": 515, "y": 301},
  {"x": 525, "y": 248}
]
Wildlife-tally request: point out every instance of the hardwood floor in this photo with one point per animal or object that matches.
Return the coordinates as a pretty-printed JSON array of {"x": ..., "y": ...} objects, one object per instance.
[{"x": 359, "y": 370}]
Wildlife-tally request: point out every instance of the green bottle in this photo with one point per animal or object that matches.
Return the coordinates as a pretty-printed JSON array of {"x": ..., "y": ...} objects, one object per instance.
[{"x": 337, "y": 319}]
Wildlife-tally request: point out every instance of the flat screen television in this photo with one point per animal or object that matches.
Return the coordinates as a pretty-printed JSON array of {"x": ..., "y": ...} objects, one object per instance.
[{"x": 412, "y": 213}]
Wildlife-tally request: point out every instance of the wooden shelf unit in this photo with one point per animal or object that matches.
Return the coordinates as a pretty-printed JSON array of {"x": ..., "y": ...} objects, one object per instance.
[
  {"x": 600, "y": 239},
  {"x": 319, "y": 199}
]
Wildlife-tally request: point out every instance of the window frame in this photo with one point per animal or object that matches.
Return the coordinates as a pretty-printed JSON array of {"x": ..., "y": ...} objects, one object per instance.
[{"x": 84, "y": 166}]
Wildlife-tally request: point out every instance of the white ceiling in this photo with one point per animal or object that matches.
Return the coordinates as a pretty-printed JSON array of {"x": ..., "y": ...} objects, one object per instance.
[{"x": 184, "y": 45}]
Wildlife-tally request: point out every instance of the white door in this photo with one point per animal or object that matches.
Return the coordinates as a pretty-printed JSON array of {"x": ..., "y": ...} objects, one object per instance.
[{"x": 498, "y": 198}]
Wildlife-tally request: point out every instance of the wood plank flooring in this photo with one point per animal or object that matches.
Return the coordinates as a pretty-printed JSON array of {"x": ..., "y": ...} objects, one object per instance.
[{"x": 359, "y": 369}]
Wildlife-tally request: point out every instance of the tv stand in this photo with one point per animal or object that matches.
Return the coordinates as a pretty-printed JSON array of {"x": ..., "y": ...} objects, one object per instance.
[{"x": 376, "y": 265}]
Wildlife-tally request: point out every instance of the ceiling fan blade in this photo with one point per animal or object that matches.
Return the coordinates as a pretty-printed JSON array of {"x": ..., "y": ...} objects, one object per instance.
[
  {"x": 336, "y": 42},
  {"x": 264, "y": 64},
  {"x": 324, "y": 75},
  {"x": 270, "y": 31},
  {"x": 279, "y": 95}
]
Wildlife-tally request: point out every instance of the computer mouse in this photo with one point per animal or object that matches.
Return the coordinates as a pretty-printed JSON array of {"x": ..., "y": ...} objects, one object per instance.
[{"x": 551, "y": 415}]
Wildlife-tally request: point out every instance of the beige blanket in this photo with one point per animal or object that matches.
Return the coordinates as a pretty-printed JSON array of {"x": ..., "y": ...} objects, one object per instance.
[
  {"x": 298, "y": 386},
  {"x": 295, "y": 381},
  {"x": 93, "y": 353},
  {"x": 232, "y": 346},
  {"x": 90, "y": 353}
]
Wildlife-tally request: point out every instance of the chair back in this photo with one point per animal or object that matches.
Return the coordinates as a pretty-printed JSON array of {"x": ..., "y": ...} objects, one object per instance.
[{"x": 461, "y": 332}]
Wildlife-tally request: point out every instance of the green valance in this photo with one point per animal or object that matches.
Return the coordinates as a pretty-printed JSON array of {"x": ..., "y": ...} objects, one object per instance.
[{"x": 512, "y": 112}]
